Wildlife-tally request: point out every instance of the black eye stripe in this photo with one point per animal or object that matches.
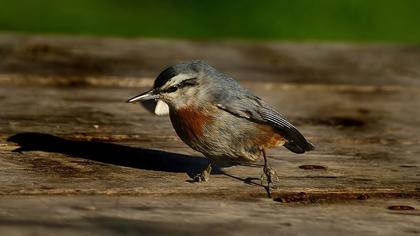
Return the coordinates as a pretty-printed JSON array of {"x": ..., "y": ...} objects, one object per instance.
[
  {"x": 188, "y": 82},
  {"x": 185, "y": 83}
]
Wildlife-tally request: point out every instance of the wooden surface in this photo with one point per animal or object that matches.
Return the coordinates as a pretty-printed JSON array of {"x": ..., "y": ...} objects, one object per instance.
[{"x": 76, "y": 159}]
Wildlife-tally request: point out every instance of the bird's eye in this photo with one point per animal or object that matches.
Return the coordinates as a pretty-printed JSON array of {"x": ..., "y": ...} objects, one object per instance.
[{"x": 172, "y": 89}]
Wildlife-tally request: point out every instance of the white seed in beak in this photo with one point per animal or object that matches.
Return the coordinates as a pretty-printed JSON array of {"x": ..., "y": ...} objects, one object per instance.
[{"x": 161, "y": 109}]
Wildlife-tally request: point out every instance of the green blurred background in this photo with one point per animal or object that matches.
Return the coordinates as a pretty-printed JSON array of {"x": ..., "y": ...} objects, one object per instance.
[{"x": 312, "y": 20}]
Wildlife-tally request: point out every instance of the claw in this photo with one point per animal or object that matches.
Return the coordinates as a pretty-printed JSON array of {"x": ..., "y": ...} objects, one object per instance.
[
  {"x": 268, "y": 175},
  {"x": 204, "y": 175}
]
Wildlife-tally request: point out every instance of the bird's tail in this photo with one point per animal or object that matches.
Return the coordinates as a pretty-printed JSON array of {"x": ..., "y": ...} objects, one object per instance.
[{"x": 296, "y": 148}]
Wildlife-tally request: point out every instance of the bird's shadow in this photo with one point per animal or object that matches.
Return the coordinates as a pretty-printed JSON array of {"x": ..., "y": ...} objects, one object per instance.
[
  {"x": 116, "y": 154},
  {"x": 135, "y": 157}
]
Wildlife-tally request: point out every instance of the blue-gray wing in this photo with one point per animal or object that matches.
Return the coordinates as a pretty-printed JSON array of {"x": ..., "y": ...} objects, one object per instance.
[{"x": 256, "y": 110}]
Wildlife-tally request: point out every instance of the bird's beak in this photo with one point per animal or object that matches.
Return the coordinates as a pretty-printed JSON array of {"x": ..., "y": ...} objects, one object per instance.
[{"x": 149, "y": 95}]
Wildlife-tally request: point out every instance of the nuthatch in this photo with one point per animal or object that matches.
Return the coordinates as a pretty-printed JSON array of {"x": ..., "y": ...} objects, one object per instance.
[{"x": 215, "y": 115}]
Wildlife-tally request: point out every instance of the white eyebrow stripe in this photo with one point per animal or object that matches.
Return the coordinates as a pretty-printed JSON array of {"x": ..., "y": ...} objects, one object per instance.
[{"x": 178, "y": 79}]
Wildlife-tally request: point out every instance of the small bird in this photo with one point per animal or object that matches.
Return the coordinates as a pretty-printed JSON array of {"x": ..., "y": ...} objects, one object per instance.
[{"x": 213, "y": 114}]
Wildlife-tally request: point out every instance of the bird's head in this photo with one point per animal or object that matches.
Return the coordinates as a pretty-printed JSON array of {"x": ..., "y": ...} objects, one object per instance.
[{"x": 181, "y": 84}]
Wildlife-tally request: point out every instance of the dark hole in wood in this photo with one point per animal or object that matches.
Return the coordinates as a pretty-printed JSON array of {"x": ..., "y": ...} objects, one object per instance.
[
  {"x": 401, "y": 208},
  {"x": 407, "y": 166},
  {"x": 312, "y": 167},
  {"x": 363, "y": 196},
  {"x": 344, "y": 121}
]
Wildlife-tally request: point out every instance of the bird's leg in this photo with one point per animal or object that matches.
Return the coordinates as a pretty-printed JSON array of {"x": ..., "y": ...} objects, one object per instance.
[
  {"x": 268, "y": 173},
  {"x": 205, "y": 174}
]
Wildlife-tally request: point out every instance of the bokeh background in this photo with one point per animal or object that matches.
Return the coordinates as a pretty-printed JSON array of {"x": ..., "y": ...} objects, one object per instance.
[{"x": 288, "y": 20}]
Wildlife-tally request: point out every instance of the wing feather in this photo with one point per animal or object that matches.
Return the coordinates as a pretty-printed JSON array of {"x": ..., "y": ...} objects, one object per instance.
[
  {"x": 253, "y": 108},
  {"x": 296, "y": 141}
]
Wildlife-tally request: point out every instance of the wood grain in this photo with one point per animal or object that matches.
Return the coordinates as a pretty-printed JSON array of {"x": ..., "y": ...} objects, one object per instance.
[{"x": 66, "y": 130}]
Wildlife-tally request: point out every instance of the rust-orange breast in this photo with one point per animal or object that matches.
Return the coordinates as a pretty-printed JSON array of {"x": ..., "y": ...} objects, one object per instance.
[{"x": 190, "y": 122}]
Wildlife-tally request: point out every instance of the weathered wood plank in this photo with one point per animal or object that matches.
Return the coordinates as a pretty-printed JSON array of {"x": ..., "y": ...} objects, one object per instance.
[
  {"x": 66, "y": 130},
  {"x": 362, "y": 146},
  {"x": 79, "y": 61},
  {"x": 87, "y": 215}
]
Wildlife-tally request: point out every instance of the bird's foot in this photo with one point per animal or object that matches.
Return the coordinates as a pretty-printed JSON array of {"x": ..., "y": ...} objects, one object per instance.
[
  {"x": 203, "y": 176},
  {"x": 269, "y": 175}
]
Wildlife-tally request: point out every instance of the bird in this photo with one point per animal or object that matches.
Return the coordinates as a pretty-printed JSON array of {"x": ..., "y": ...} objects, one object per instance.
[{"x": 213, "y": 114}]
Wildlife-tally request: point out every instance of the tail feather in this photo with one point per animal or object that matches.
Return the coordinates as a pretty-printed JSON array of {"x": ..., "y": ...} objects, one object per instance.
[{"x": 299, "y": 149}]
